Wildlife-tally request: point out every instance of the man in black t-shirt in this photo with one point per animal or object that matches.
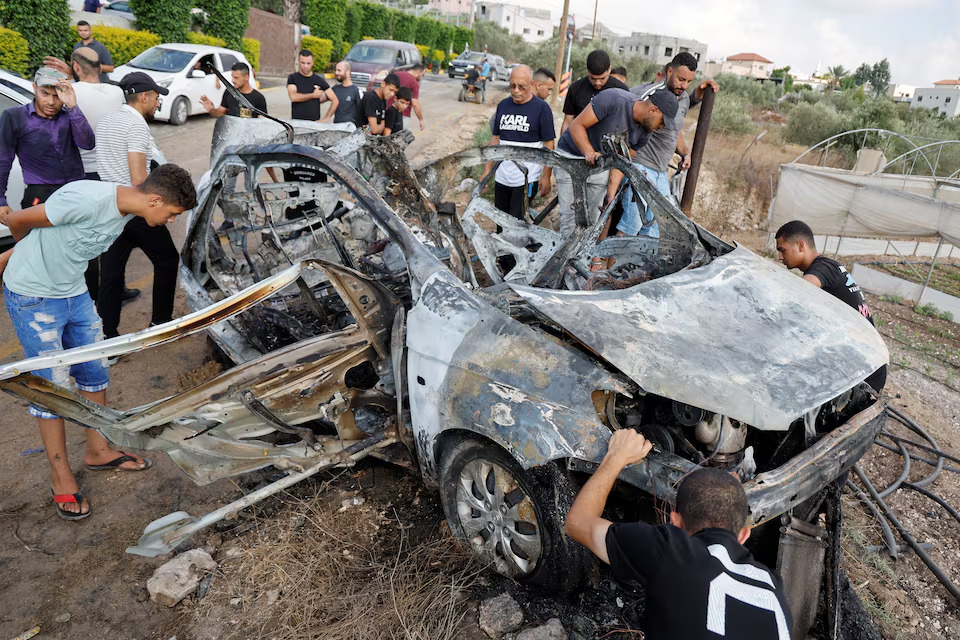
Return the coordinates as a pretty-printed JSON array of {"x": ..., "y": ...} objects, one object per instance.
[
  {"x": 230, "y": 106},
  {"x": 394, "y": 118},
  {"x": 347, "y": 93},
  {"x": 305, "y": 89},
  {"x": 582, "y": 91},
  {"x": 797, "y": 250},
  {"x": 373, "y": 107},
  {"x": 698, "y": 579}
]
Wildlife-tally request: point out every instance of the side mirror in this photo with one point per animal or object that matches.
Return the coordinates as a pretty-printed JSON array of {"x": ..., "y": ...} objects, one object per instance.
[{"x": 196, "y": 73}]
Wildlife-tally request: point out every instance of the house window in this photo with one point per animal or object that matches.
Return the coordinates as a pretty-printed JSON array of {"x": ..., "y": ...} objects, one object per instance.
[
  {"x": 508, "y": 18},
  {"x": 919, "y": 98},
  {"x": 539, "y": 32},
  {"x": 684, "y": 49},
  {"x": 697, "y": 56},
  {"x": 646, "y": 50},
  {"x": 947, "y": 101},
  {"x": 483, "y": 9},
  {"x": 668, "y": 51},
  {"x": 526, "y": 32}
]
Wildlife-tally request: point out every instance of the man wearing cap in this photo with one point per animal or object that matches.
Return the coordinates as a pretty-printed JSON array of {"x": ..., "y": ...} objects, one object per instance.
[
  {"x": 85, "y": 31},
  {"x": 653, "y": 159},
  {"x": 611, "y": 111},
  {"x": 123, "y": 149},
  {"x": 46, "y": 135}
]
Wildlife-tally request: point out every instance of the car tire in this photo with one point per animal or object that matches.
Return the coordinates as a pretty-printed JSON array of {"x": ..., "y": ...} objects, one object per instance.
[
  {"x": 179, "y": 111},
  {"x": 512, "y": 517}
]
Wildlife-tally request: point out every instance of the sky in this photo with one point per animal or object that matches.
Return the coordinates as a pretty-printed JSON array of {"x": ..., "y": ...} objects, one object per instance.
[{"x": 920, "y": 38}]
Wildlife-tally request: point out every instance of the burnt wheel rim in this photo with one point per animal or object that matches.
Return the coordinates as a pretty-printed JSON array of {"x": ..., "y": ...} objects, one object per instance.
[{"x": 498, "y": 518}]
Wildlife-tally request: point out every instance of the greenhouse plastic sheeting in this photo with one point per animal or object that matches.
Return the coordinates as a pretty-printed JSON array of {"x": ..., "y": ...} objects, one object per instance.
[{"x": 835, "y": 202}]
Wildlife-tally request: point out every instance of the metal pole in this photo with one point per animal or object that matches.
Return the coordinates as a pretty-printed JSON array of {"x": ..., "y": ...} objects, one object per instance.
[
  {"x": 930, "y": 273},
  {"x": 593, "y": 33},
  {"x": 569, "y": 49},
  {"x": 696, "y": 154},
  {"x": 563, "y": 41}
]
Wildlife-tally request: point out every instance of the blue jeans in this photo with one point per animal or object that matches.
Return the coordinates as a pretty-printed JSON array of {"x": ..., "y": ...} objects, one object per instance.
[
  {"x": 630, "y": 223},
  {"x": 48, "y": 325}
]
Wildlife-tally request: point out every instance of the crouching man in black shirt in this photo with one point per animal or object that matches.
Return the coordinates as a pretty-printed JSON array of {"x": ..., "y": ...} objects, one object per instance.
[
  {"x": 797, "y": 250},
  {"x": 699, "y": 580}
]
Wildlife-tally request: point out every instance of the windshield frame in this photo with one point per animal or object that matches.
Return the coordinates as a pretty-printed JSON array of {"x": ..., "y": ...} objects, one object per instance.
[{"x": 153, "y": 52}]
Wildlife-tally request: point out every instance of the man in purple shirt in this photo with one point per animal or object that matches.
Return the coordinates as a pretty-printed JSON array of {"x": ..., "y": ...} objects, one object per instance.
[{"x": 47, "y": 135}]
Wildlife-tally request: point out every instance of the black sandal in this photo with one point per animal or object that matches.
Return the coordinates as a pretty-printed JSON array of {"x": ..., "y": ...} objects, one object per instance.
[
  {"x": 116, "y": 462},
  {"x": 70, "y": 498}
]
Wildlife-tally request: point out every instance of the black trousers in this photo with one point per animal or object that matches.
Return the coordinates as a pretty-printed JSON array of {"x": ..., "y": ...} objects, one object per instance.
[
  {"x": 157, "y": 244},
  {"x": 510, "y": 199}
]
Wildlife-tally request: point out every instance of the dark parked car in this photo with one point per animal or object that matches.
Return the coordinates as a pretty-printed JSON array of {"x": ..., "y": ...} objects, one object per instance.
[
  {"x": 498, "y": 68},
  {"x": 371, "y": 60}
]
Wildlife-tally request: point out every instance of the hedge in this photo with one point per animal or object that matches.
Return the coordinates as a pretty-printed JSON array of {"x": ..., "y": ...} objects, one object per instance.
[
  {"x": 123, "y": 44},
  {"x": 321, "y": 48},
  {"x": 14, "y": 51},
  {"x": 169, "y": 19},
  {"x": 44, "y": 24},
  {"x": 250, "y": 48},
  {"x": 444, "y": 36},
  {"x": 424, "y": 53},
  {"x": 354, "y": 22},
  {"x": 374, "y": 20},
  {"x": 405, "y": 28},
  {"x": 326, "y": 19},
  {"x": 439, "y": 55},
  {"x": 427, "y": 30},
  {"x": 462, "y": 37},
  {"x": 227, "y": 19}
]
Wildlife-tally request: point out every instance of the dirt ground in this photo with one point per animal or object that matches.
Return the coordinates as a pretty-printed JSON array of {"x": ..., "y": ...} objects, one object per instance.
[{"x": 366, "y": 552}]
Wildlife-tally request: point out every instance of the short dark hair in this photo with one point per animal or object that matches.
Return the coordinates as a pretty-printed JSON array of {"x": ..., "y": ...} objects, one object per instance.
[
  {"x": 85, "y": 63},
  {"x": 683, "y": 59},
  {"x": 306, "y": 53},
  {"x": 173, "y": 184},
  {"x": 620, "y": 71},
  {"x": 241, "y": 67},
  {"x": 711, "y": 498},
  {"x": 796, "y": 230},
  {"x": 417, "y": 66},
  {"x": 598, "y": 62},
  {"x": 83, "y": 23},
  {"x": 404, "y": 93},
  {"x": 545, "y": 73},
  {"x": 393, "y": 79}
]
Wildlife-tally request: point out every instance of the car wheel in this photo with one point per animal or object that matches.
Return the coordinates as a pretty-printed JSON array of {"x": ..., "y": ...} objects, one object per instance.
[
  {"x": 179, "y": 111},
  {"x": 512, "y": 517}
]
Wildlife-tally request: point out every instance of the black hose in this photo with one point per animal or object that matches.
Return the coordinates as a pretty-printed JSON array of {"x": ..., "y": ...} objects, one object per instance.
[
  {"x": 903, "y": 475},
  {"x": 913, "y": 456},
  {"x": 930, "y": 494},
  {"x": 922, "y": 447},
  {"x": 892, "y": 547},
  {"x": 909, "y": 539},
  {"x": 913, "y": 426}
]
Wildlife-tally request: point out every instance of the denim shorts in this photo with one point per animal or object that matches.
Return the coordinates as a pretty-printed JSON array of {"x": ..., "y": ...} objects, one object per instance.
[
  {"x": 633, "y": 222},
  {"x": 49, "y": 325}
]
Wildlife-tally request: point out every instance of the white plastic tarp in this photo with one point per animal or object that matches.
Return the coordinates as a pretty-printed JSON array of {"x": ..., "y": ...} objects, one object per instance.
[{"x": 839, "y": 203}]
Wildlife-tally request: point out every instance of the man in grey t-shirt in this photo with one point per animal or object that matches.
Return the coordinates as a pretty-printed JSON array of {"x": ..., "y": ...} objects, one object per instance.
[
  {"x": 347, "y": 93},
  {"x": 654, "y": 157}
]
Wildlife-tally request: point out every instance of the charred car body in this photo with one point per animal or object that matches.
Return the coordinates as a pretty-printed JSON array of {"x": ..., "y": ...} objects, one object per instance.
[{"x": 365, "y": 317}]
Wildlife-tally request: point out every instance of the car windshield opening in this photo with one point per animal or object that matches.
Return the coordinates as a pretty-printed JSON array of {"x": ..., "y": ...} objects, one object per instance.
[
  {"x": 366, "y": 53},
  {"x": 161, "y": 59}
]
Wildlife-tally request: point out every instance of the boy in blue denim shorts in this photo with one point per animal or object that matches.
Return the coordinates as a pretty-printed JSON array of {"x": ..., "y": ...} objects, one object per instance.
[{"x": 46, "y": 297}]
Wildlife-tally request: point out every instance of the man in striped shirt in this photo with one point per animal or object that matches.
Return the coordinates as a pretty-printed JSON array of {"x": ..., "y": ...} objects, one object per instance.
[{"x": 123, "y": 156}]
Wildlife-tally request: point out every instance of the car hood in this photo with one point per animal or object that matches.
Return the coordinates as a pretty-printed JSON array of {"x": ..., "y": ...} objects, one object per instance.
[{"x": 741, "y": 337}]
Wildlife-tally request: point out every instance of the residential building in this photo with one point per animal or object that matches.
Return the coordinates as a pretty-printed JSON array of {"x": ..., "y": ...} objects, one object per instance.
[
  {"x": 943, "y": 97},
  {"x": 900, "y": 92},
  {"x": 602, "y": 36},
  {"x": 656, "y": 47},
  {"x": 533, "y": 25},
  {"x": 451, "y": 7},
  {"x": 745, "y": 65}
]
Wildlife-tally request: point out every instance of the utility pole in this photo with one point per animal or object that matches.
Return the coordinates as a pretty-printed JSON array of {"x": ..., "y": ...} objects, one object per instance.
[
  {"x": 473, "y": 10},
  {"x": 593, "y": 34},
  {"x": 563, "y": 42}
]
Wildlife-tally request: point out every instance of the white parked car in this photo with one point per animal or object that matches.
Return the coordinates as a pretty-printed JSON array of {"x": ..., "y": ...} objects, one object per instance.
[
  {"x": 14, "y": 91},
  {"x": 177, "y": 67}
]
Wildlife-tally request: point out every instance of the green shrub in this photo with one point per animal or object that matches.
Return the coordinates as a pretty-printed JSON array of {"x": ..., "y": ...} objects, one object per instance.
[
  {"x": 427, "y": 29},
  {"x": 123, "y": 44},
  {"x": 424, "y": 53},
  {"x": 405, "y": 28},
  {"x": 326, "y": 19},
  {"x": 758, "y": 94},
  {"x": 169, "y": 19},
  {"x": 195, "y": 37},
  {"x": 227, "y": 19},
  {"x": 462, "y": 36},
  {"x": 730, "y": 115},
  {"x": 321, "y": 48},
  {"x": 810, "y": 123},
  {"x": 444, "y": 36},
  {"x": 44, "y": 24},
  {"x": 439, "y": 56},
  {"x": 251, "y": 51},
  {"x": 14, "y": 51},
  {"x": 353, "y": 21},
  {"x": 374, "y": 20}
]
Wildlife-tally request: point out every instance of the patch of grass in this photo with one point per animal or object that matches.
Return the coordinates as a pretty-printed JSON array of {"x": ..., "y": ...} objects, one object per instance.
[
  {"x": 893, "y": 299},
  {"x": 931, "y": 311},
  {"x": 481, "y": 137},
  {"x": 898, "y": 331}
]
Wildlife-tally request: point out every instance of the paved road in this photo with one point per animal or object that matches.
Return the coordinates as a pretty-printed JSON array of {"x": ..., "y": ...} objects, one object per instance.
[{"x": 189, "y": 146}]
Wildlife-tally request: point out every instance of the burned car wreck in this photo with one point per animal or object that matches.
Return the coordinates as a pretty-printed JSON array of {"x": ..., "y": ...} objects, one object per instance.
[{"x": 365, "y": 317}]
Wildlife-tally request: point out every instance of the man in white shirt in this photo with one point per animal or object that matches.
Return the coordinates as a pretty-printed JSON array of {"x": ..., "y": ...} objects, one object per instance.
[{"x": 123, "y": 153}]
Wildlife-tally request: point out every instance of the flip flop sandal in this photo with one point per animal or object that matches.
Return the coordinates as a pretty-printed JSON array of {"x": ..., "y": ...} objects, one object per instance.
[
  {"x": 116, "y": 462},
  {"x": 70, "y": 498}
]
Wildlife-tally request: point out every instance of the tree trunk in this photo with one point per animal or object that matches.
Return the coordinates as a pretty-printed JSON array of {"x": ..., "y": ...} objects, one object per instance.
[{"x": 291, "y": 10}]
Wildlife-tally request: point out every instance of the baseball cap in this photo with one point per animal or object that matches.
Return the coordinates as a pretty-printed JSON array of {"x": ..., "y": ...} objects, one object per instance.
[
  {"x": 47, "y": 77},
  {"x": 138, "y": 82},
  {"x": 665, "y": 100}
]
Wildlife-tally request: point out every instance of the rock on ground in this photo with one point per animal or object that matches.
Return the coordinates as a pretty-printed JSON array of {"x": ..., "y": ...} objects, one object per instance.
[
  {"x": 178, "y": 578},
  {"x": 500, "y": 615},
  {"x": 552, "y": 630}
]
